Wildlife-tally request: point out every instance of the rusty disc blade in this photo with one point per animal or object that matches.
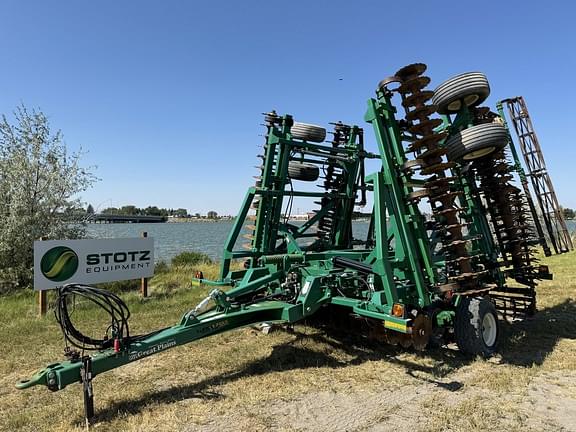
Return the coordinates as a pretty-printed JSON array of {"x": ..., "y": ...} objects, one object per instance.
[
  {"x": 411, "y": 70},
  {"x": 427, "y": 141},
  {"x": 438, "y": 168},
  {"x": 418, "y": 99},
  {"x": 418, "y": 194},
  {"x": 414, "y": 84},
  {"x": 421, "y": 331},
  {"x": 426, "y": 127},
  {"x": 420, "y": 113}
]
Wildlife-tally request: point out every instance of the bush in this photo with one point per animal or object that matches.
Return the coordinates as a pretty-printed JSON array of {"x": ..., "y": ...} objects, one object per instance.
[
  {"x": 39, "y": 188},
  {"x": 161, "y": 267},
  {"x": 191, "y": 258}
]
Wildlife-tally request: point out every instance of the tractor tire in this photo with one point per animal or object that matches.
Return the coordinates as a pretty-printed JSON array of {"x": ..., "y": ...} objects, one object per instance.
[
  {"x": 308, "y": 132},
  {"x": 476, "y": 141},
  {"x": 469, "y": 88},
  {"x": 303, "y": 171},
  {"x": 476, "y": 327}
]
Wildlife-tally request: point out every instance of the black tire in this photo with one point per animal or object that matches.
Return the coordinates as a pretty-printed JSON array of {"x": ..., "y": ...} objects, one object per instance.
[
  {"x": 469, "y": 88},
  {"x": 476, "y": 141},
  {"x": 303, "y": 171},
  {"x": 308, "y": 132},
  {"x": 472, "y": 327}
]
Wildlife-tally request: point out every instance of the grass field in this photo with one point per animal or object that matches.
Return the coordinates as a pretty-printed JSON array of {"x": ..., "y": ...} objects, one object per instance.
[{"x": 305, "y": 380}]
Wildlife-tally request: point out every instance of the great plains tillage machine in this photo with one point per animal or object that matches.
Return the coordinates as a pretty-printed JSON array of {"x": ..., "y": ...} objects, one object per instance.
[{"x": 416, "y": 279}]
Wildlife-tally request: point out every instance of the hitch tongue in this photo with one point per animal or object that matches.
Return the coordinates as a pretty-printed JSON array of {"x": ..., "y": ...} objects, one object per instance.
[{"x": 39, "y": 377}]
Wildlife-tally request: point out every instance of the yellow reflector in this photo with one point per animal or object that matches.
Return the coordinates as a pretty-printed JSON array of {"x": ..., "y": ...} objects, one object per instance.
[{"x": 396, "y": 326}]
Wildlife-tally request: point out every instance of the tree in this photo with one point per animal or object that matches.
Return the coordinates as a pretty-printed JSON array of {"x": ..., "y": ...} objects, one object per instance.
[
  {"x": 129, "y": 210},
  {"x": 39, "y": 185},
  {"x": 568, "y": 213},
  {"x": 90, "y": 209},
  {"x": 111, "y": 211},
  {"x": 212, "y": 214},
  {"x": 181, "y": 212},
  {"x": 152, "y": 211}
]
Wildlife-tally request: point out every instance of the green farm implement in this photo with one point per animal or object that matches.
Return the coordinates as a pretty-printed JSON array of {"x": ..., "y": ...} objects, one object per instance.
[{"x": 448, "y": 250}]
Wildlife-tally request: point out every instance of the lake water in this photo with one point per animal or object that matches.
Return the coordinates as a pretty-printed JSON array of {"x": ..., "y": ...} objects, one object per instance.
[
  {"x": 172, "y": 238},
  {"x": 207, "y": 237}
]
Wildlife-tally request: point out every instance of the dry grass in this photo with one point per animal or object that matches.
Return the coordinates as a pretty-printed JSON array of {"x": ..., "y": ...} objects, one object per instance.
[{"x": 256, "y": 382}]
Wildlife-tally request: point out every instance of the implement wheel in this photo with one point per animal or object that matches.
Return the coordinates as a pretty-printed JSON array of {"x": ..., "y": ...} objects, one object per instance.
[
  {"x": 469, "y": 89},
  {"x": 303, "y": 171},
  {"x": 308, "y": 132},
  {"x": 476, "y": 141},
  {"x": 476, "y": 327}
]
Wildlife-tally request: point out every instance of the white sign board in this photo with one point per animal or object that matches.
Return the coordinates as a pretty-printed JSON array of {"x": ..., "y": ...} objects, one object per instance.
[{"x": 60, "y": 262}]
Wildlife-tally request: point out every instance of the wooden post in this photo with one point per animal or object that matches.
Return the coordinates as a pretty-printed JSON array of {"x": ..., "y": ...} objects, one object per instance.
[
  {"x": 42, "y": 298},
  {"x": 42, "y": 302},
  {"x": 144, "y": 281}
]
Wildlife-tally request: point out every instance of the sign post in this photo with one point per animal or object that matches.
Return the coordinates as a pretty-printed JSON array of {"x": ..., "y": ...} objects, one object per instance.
[
  {"x": 42, "y": 299},
  {"x": 144, "y": 280},
  {"x": 42, "y": 302}
]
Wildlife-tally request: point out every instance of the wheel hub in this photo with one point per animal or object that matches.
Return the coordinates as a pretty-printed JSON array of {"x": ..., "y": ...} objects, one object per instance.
[
  {"x": 478, "y": 153},
  {"x": 489, "y": 329}
]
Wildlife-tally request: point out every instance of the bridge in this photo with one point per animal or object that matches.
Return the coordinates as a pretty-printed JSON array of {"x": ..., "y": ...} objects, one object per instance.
[{"x": 114, "y": 218}]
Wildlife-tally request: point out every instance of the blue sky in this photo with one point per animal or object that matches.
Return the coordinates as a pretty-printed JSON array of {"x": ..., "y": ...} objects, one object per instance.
[{"x": 165, "y": 96}]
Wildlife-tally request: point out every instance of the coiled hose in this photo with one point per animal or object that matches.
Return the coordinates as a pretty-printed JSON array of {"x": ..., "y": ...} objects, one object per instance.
[{"x": 110, "y": 302}]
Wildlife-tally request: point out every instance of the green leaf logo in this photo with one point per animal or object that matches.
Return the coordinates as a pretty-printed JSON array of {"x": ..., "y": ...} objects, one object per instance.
[{"x": 59, "y": 263}]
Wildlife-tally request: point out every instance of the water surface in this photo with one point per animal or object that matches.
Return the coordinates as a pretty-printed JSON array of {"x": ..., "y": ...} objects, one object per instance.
[{"x": 207, "y": 237}]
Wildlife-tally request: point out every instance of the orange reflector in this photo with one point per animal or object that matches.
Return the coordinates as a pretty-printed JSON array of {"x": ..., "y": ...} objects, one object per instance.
[{"x": 397, "y": 310}]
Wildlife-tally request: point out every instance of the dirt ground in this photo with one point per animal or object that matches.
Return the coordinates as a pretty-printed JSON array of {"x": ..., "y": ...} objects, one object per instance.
[{"x": 547, "y": 403}]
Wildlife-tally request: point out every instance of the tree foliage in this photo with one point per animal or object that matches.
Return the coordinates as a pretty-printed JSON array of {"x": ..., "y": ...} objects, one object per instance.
[
  {"x": 131, "y": 210},
  {"x": 39, "y": 185},
  {"x": 181, "y": 212}
]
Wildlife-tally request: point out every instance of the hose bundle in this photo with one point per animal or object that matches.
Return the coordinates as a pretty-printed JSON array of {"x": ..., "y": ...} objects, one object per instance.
[{"x": 110, "y": 302}]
